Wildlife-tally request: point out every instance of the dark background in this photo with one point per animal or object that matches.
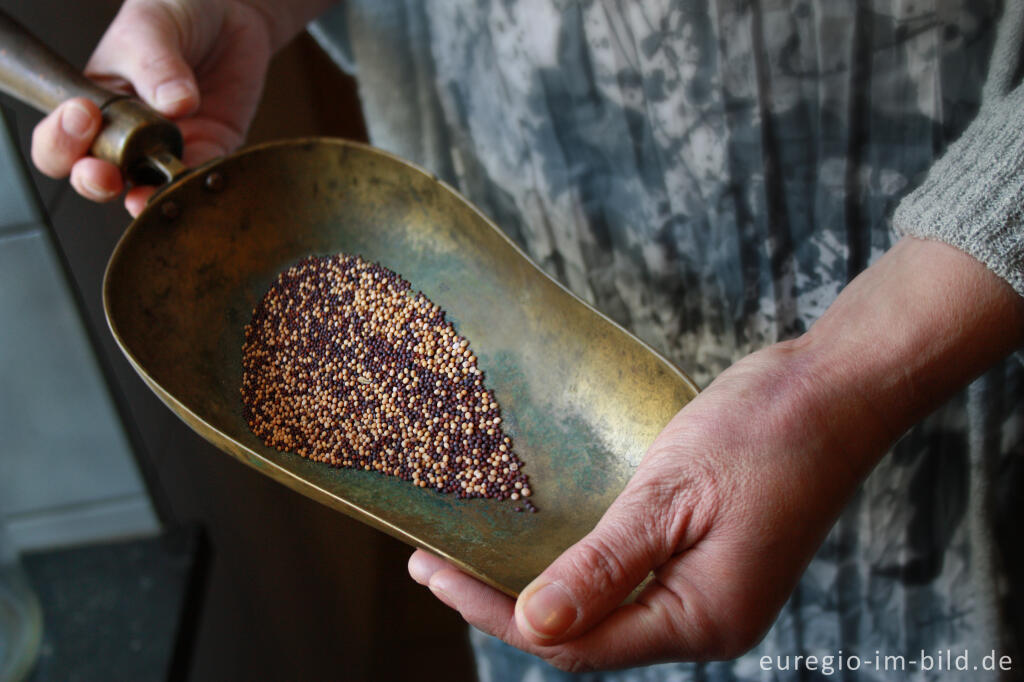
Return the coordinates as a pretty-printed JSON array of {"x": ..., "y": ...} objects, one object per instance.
[{"x": 289, "y": 589}]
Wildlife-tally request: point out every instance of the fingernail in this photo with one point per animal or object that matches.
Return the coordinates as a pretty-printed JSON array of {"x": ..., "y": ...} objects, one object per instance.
[
  {"x": 76, "y": 120},
  {"x": 420, "y": 570},
  {"x": 549, "y": 611},
  {"x": 97, "y": 193},
  {"x": 169, "y": 94},
  {"x": 200, "y": 152},
  {"x": 439, "y": 592}
]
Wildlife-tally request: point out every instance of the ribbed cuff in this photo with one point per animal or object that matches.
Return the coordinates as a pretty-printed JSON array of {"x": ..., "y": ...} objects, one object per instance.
[{"x": 973, "y": 197}]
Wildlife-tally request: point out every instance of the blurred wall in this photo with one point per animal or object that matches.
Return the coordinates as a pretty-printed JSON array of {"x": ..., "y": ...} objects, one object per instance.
[
  {"x": 67, "y": 474},
  {"x": 295, "y": 591}
]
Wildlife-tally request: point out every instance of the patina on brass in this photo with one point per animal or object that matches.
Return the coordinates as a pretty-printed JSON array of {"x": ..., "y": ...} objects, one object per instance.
[
  {"x": 138, "y": 140},
  {"x": 581, "y": 398}
]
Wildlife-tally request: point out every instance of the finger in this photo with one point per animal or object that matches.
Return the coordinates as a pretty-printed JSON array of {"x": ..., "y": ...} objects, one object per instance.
[
  {"x": 136, "y": 198},
  {"x": 65, "y": 136},
  {"x": 201, "y": 151},
  {"x": 654, "y": 517},
  {"x": 206, "y": 139},
  {"x": 631, "y": 634},
  {"x": 96, "y": 180},
  {"x": 481, "y": 605},
  {"x": 143, "y": 47},
  {"x": 589, "y": 579},
  {"x": 423, "y": 564}
]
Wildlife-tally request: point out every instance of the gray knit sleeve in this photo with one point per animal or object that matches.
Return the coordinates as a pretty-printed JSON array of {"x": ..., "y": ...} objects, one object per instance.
[{"x": 973, "y": 197}]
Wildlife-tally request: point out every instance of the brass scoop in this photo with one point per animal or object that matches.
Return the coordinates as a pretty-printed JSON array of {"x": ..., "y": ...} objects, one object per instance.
[{"x": 581, "y": 398}]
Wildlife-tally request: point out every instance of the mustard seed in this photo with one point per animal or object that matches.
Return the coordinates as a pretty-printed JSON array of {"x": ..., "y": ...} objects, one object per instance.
[{"x": 344, "y": 364}]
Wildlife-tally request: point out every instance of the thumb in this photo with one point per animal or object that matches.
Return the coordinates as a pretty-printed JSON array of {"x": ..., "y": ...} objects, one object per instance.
[
  {"x": 594, "y": 576},
  {"x": 143, "y": 46}
]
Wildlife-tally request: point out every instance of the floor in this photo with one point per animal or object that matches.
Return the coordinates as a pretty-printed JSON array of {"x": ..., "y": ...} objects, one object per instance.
[
  {"x": 294, "y": 591},
  {"x": 117, "y": 610}
]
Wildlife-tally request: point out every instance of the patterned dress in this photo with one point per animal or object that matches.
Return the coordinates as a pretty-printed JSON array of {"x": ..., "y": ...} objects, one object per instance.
[{"x": 710, "y": 173}]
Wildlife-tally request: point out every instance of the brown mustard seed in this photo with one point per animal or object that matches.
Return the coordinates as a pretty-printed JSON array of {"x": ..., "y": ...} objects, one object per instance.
[{"x": 343, "y": 364}]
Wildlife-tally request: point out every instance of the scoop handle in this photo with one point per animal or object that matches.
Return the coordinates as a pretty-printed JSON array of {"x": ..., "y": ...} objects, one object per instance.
[{"x": 142, "y": 143}]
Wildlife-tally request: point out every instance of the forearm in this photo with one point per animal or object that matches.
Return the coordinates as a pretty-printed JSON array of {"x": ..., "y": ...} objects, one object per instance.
[
  {"x": 905, "y": 335},
  {"x": 739, "y": 490}
]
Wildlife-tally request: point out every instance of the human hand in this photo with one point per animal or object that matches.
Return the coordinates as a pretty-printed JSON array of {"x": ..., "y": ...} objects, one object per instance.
[
  {"x": 199, "y": 63},
  {"x": 739, "y": 490},
  {"x": 727, "y": 507}
]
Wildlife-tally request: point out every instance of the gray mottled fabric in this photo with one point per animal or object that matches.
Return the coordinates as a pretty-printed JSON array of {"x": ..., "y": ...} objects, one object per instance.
[{"x": 710, "y": 173}]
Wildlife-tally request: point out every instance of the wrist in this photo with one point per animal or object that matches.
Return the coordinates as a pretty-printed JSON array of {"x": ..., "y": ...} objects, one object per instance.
[{"x": 906, "y": 334}]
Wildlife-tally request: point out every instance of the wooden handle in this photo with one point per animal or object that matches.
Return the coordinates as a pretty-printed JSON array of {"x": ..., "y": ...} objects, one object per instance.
[{"x": 133, "y": 135}]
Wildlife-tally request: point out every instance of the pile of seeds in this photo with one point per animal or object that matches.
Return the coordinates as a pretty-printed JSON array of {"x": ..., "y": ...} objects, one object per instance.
[{"x": 344, "y": 364}]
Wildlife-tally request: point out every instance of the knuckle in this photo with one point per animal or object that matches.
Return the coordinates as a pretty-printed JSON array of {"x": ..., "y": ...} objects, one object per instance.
[
  {"x": 676, "y": 504},
  {"x": 131, "y": 33},
  {"x": 698, "y": 500},
  {"x": 569, "y": 662},
  {"x": 158, "y": 64},
  {"x": 507, "y": 633},
  {"x": 654, "y": 504},
  {"x": 597, "y": 564}
]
